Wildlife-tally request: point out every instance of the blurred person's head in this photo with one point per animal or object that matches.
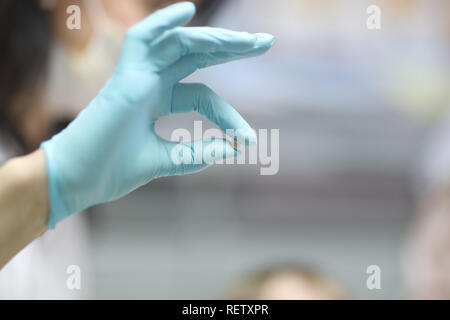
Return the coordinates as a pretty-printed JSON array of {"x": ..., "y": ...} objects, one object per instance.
[
  {"x": 83, "y": 59},
  {"x": 25, "y": 42},
  {"x": 40, "y": 91},
  {"x": 29, "y": 30},
  {"x": 120, "y": 15},
  {"x": 288, "y": 282}
]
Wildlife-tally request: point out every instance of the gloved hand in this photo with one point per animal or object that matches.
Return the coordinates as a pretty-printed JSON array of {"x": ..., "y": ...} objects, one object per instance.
[{"x": 111, "y": 148}]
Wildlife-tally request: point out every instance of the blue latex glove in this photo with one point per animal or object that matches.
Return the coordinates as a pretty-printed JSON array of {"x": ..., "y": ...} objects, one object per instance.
[{"x": 111, "y": 148}]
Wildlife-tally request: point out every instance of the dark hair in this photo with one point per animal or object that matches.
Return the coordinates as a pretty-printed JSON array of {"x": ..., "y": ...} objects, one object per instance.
[
  {"x": 25, "y": 40},
  {"x": 206, "y": 11},
  {"x": 249, "y": 287}
]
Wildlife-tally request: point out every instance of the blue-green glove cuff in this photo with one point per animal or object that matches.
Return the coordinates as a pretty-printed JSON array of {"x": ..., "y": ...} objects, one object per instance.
[{"x": 58, "y": 209}]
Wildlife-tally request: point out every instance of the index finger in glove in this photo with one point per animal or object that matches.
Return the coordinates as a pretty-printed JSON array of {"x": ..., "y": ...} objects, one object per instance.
[{"x": 162, "y": 20}]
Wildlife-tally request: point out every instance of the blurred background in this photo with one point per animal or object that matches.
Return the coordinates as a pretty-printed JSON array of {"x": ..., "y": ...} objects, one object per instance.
[{"x": 363, "y": 177}]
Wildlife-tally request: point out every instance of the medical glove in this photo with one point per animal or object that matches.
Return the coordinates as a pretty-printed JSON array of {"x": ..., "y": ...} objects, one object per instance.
[{"x": 111, "y": 147}]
